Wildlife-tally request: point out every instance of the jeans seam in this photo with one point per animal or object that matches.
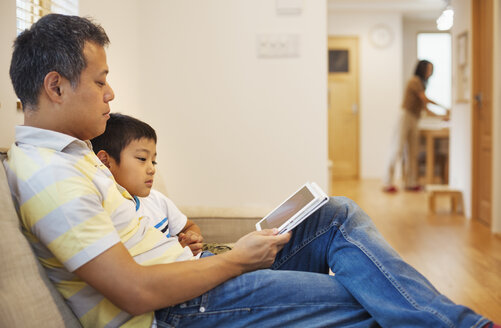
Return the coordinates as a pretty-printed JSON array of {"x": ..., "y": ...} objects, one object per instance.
[
  {"x": 393, "y": 281},
  {"x": 208, "y": 313},
  {"x": 309, "y": 305}
]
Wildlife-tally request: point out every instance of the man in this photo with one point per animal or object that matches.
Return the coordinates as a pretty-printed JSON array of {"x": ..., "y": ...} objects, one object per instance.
[{"x": 115, "y": 269}]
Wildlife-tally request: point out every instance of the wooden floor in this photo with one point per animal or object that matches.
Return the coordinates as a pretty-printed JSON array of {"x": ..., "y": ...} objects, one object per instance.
[{"x": 460, "y": 257}]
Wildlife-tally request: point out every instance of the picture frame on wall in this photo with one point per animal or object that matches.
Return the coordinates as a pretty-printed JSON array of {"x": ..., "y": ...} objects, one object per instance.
[{"x": 463, "y": 69}]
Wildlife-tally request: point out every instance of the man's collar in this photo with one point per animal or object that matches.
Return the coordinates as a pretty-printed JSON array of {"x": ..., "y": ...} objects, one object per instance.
[{"x": 46, "y": 138}]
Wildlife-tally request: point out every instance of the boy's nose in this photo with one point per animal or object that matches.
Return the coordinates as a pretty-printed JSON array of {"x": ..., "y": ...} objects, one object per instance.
[{"x": 151, "y": 169}]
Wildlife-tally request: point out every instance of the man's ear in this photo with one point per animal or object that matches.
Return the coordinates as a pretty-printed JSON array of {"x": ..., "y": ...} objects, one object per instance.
[
  {"x": 104, "y": 157},
  {"x": 52, "y": 86}
]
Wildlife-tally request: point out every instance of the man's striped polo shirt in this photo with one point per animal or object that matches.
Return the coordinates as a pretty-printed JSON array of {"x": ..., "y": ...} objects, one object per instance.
[{"x": 71, "y": 211}]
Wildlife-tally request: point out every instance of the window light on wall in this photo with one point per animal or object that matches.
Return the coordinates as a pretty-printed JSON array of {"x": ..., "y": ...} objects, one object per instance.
[{"x": 29, "y": 11}]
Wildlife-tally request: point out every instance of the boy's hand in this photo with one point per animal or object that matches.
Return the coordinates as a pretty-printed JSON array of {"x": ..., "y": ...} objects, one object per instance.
[
  {"x": 258, "y": 249},
  {"x": 191, "y": 239}
]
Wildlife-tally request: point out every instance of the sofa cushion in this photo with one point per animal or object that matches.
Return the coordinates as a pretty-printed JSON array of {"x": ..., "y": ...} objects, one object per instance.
[
  {"x": 225, "y": 229},
  {"x": 27, "y": 297}
]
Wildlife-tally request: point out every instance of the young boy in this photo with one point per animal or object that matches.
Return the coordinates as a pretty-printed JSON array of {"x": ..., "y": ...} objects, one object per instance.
[{"x": 128, "y": 149}]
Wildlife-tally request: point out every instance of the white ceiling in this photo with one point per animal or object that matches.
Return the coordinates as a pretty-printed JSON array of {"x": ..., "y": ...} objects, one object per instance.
[{"x": 411, "y": 9}]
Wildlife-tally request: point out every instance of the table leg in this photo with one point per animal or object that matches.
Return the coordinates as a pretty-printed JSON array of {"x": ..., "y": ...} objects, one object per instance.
[{"x": 430, "y": 158}]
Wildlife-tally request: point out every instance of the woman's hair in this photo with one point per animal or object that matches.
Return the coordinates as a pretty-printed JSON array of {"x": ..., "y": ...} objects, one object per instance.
[
  {"x": 120, "y": 131},
  {"x": 421, "y": 68}
]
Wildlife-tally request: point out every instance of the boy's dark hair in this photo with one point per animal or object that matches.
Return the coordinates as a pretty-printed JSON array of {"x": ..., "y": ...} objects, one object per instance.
[
  {"x": 120, "y": 131},
  {"x": 54, "y": 43},
  {"x": 421, "y": 68}
]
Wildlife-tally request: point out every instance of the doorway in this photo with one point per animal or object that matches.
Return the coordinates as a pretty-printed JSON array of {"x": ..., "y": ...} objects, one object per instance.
[
  {"x": 436, "y": 47},
  {"x": 343, "y": 107}
]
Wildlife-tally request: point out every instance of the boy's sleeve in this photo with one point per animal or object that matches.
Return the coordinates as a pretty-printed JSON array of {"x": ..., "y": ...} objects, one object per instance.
[{"x": 177, "y": 220}]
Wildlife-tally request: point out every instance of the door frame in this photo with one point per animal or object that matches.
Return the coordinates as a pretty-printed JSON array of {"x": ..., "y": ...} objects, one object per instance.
[{"x": 476, "y": 75}]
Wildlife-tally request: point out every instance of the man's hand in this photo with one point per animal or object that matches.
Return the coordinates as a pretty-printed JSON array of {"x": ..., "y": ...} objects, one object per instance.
[
  {"x": 191, "y": 239},
  {"x": 258, "y": 249}
]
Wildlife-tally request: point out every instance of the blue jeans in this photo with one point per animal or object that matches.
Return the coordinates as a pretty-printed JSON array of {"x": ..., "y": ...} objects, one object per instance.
[{"x": 372, "y": 285}]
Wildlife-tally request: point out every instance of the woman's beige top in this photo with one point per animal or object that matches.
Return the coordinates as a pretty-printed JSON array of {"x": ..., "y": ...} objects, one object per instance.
[{"x": 412, "y": 101}]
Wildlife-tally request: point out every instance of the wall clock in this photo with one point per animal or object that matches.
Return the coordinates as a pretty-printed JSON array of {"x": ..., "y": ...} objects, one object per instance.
[{"x": 381, "y": 36}]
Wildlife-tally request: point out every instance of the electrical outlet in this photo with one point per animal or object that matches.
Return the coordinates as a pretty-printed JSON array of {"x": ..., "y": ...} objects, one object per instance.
[{"x": 277, "y": 45}]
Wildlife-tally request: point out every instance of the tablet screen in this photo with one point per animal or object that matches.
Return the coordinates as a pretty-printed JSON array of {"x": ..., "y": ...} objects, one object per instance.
[{"x": 287, "y": 210}]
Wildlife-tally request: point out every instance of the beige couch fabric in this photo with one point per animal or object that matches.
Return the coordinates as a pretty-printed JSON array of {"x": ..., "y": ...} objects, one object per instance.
[
  {"x": 27, "y": 298},
  {"x": 223, "y": 229}
]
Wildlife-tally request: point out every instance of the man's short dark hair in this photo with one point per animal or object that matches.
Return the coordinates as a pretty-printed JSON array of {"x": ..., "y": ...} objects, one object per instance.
[
  {"x": 54, "y": 43},
  {"x": 120, "y": 131}
]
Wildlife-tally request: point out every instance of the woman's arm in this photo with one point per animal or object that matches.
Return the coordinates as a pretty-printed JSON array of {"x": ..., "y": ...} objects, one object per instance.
[{"x": 427, "y": 101}]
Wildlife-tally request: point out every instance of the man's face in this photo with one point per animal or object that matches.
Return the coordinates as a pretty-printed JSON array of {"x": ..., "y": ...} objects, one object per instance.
[
  {"x": 86, "y": 106},
  {"x": 137, "y": 167}
]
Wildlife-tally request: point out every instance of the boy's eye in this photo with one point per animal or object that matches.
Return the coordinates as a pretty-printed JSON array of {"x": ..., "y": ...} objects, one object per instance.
[
  {"x": 154, "y": 162},
  {"x": 101, "y": 84},
  {"x": 141, "y": 159}
]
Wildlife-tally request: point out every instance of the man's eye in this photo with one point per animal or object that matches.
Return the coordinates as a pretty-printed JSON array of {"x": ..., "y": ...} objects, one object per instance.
[{"x": 101, "y": 84}]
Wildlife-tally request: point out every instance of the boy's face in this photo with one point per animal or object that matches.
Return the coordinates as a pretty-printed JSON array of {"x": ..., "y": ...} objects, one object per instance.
[{"x": 137, "y": 167}]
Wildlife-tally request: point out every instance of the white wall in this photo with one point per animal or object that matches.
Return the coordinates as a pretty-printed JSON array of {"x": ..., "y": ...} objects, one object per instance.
[
  {"x": 234, "y": 130},
  {"x": 411, "y": 28},
  {"x": 9, "y": 116},
  {"x": 123, "y": 54},
  {"x": 460, "y": 155},
  {"x": 381, "y": 84}
]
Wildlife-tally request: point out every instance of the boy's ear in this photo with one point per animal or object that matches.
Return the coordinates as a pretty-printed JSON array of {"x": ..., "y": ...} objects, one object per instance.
[{"x": 104, "y": 157}]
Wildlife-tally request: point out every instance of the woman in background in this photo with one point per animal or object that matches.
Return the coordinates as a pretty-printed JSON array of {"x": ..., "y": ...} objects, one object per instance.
[{"x": 407, "y": 134}]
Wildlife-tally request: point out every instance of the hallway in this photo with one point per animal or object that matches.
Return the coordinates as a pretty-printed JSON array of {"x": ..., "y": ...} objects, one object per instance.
[{"x": 460, "y": 257}]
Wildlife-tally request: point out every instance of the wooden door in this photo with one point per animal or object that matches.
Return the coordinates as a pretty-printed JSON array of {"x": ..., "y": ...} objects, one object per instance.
[
  {"x": 343, "y": 107},
  {"x": 483, "y": 42}
]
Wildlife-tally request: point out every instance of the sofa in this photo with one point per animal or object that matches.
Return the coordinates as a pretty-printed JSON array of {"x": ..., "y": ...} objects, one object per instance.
[{"x": 28, "y": 298}]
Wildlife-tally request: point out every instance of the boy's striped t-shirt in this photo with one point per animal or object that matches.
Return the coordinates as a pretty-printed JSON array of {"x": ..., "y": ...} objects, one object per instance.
[
  {"x": 72, "y": 210},
  {"x": 164, "y": 213}
]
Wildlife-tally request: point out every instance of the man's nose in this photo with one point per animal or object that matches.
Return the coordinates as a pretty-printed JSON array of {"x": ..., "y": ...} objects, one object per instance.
[{"x": 109, "y": 95}]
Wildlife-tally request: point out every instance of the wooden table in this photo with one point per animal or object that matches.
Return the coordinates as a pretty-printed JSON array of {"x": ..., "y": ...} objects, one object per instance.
[{"x": 430, "y": 136}]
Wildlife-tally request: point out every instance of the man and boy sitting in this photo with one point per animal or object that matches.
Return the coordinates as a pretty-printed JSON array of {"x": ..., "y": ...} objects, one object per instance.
[{"x": 117, "y": 267}]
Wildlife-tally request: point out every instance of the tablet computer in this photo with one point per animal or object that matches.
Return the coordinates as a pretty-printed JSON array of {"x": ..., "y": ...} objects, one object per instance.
[{"x": 294, "y": 209}]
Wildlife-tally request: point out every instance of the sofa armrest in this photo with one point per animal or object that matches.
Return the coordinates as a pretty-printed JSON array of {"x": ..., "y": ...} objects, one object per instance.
[{"x": 27, "y": 297}]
